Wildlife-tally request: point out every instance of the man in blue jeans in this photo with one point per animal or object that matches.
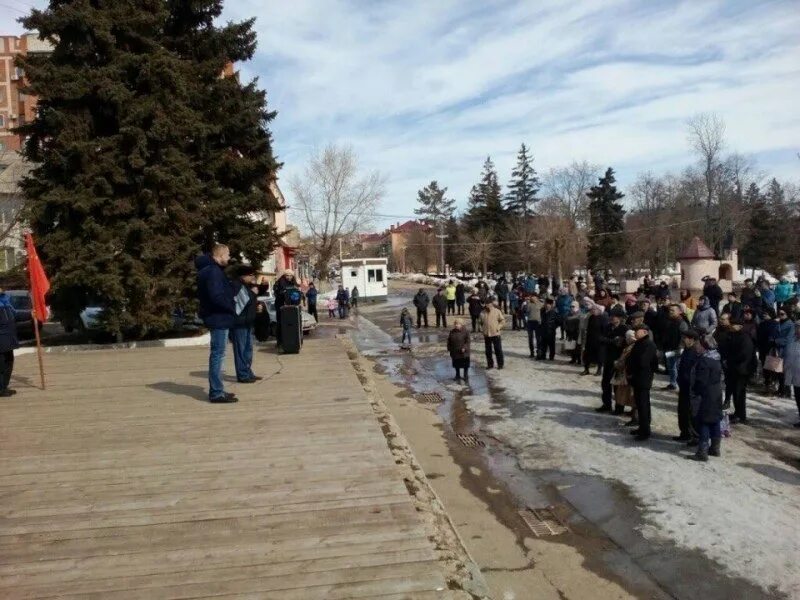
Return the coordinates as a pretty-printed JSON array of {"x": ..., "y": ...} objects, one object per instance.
[
  {"x": 218, "y": 310},
  {"x": 241, "y": 333}
]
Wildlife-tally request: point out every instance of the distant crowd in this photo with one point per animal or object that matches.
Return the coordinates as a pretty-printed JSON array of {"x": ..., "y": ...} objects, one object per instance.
[{"x": 712, "y": 346}]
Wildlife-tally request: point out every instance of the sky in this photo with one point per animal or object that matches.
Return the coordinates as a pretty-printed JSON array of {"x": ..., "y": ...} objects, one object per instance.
[{"x": 426, "y": 89}]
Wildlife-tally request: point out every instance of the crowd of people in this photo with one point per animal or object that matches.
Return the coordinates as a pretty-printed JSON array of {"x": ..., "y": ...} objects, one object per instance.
[{"x": 712, "y": 346}]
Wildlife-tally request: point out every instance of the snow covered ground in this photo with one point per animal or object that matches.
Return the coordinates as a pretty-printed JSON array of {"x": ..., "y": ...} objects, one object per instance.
[
  {"x": 439, "y": 281},
  {"x": 742, "y": 510}
]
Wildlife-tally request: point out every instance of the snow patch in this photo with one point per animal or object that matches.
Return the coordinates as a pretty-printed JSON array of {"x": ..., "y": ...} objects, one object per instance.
[{"x": 747, "y": 521}]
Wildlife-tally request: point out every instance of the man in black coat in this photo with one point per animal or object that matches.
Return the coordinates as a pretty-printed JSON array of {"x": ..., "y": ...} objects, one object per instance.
[
  {"x": 547, "y": 330},
  {"x": 421, "y": 301},
  {"x": 641, "y": 365},
  {"x": 738, "y": 353},
  {"x": 501, "y": 290},
  {"x": 613, "y": 340},
  {"x": 461, "y": 298},
  {"x": 734, "y": 308},
  {"x": 713, "y": 292},
  {"x": 475, "y": 306},
  {"x": 686, "y": 363},
  {"x": 440, "y": 308}
]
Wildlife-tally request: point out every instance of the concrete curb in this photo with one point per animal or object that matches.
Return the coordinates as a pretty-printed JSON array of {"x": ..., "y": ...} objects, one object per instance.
[{"x": 186, "y": 342}]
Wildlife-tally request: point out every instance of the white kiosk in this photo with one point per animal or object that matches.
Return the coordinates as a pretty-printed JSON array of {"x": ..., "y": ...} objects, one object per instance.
[{"x": 369, "y": 275}]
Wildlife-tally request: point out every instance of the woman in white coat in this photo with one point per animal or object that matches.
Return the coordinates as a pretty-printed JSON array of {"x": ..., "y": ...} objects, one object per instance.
[{"x": 791, "y": 366}]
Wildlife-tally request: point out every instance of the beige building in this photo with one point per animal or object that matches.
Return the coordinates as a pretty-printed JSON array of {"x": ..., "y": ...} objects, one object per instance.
[{"x": 698, "y": 261}]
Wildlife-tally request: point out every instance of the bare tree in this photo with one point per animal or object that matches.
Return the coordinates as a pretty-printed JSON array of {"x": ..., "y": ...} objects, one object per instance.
[
  {"x": 12, "y": 170},
  {"x": 565, "y": 191},
  {"x": 335, "y": 201},
  {"x": 707, "y": 138},
  {"x": 422, "y": 250},
  {"x": 478, "y": 249}
]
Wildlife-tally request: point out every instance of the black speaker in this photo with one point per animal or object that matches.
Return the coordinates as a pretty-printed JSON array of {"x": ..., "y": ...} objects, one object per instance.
[{"x": 291, "y": 323}]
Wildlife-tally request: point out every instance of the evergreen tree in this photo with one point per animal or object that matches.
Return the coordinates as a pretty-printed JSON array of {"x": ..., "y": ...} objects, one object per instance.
[
  {"x": 771, "y": 230},
  {"x": 143, "y": 154},
  {"x": 485, "y": 204},
  {"x": 758, "y": 242},
  {"x": 433, "y": 206},
  {"x": 523, "y": 187},
  {"x": 606, "y": 221}
]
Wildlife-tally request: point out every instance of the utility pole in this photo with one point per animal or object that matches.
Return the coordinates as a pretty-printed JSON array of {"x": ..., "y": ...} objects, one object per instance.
[{"x": 442, "y": 237}]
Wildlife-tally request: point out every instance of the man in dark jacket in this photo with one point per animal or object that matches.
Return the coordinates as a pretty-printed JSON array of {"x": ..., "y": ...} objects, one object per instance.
[
  {"x": 547, "y": 330},
  {"x": 734, "y": 308},
  {"x": 686, "y": 363},
  {"x": 641, "y": 365},
  {"x": 440, "y": 308},
  {"x": 311, "y": 300},
  {"x": 475, "y": 305},
  {"x": 713, "y": 292},
  {"x": 751, "y": 297},
  {"x": 461, "y": 298},
  {"x": 671, "y": 333},
  {"x": 421, "y": 301},
  {"x": 241, "y": 334},
  {"x": 501, "y": 289},
  {"x": 738, "y": 353},
  {"x": 8, "y": 343},
  {"x": 218, "y": 310},
  {"x": 706, "y": 399},
  {"x": 613, "y": 340}
]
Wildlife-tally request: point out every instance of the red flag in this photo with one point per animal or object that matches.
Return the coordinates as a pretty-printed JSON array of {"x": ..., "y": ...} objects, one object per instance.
[{"x": 39, "y": 283}]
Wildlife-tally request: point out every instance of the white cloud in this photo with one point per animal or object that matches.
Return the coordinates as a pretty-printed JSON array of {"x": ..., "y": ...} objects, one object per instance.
[{"x": 425, "y": 90}]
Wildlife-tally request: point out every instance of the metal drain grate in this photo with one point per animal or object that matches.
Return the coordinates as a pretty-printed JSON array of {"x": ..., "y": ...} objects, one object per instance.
[
  {"x": 430, "y": 398},
  {"x": 543, "y": 521},
  {"x": 470, "y": 440}
]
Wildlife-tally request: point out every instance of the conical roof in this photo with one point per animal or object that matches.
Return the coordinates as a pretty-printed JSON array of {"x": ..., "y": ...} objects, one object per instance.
[{"x": 696, "y": 249}]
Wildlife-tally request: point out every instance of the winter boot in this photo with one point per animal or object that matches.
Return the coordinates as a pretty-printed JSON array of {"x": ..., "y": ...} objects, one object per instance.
[
  {"x": 701, "y": 455},
  {"x": 715, "y": 444}
]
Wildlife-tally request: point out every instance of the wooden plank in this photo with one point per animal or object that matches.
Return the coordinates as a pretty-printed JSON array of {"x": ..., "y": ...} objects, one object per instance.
[
  {"x": 342, "y": 583},
  {"x": 117, "y": 483},
  {"x": 365, "y": 555}
]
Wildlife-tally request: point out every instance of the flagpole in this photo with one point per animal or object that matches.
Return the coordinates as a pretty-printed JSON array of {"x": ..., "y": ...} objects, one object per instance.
[
  {"x": 39, "y": 288},
  {"x": 39, "y": 349}
]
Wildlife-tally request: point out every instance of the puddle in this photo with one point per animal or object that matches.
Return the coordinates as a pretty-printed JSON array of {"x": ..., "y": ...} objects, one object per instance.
[{"x": 604, "y": 518}]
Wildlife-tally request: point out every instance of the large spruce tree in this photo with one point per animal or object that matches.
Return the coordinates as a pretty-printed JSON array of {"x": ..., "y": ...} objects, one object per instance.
[
  {"x": 485, "y": 205},
  {"x": 606, "y": 222},
  {"x": 434, "y": 207},
  {"x": 523, "y": 187},
  {"x": 144, "y": 154}
]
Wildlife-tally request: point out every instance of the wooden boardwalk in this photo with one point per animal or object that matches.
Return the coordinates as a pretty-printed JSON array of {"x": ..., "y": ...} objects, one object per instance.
[{"x": 121, "y": 481}]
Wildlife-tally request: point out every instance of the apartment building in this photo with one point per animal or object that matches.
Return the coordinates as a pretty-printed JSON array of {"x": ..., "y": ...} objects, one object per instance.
[{"x": 16, "y": 108}]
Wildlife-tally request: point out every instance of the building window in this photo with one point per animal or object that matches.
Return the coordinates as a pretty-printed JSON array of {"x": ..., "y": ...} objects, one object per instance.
[
  {"x": 379, "y": 275},
  {"x": 2, "y": 121},
  {"x": 353, "y": 273},
  {"x": 371, "y": 275}
]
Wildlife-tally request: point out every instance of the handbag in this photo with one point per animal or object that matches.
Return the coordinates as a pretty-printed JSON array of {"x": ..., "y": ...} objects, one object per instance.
[{"x": 773, "y": 362}]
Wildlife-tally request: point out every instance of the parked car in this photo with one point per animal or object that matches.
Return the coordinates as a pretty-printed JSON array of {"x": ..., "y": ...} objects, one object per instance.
[
  {"x": 309, "y": 323},
  {"x": 23, "y": 307},
  {"x": 89, "y": 320}
]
